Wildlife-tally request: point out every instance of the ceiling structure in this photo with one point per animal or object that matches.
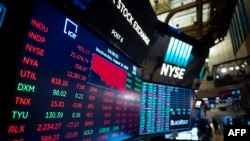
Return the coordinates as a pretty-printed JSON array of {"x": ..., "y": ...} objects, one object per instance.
[{"x": 205, "y": 20}]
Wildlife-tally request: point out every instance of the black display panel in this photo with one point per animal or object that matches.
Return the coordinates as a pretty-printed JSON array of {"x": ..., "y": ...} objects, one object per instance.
[
  {"x": 70, "y": 84},
  {"x": 128, "y": 24},
  {"x": 175, "y": 58},
  {"x": 164, "y": 109}
]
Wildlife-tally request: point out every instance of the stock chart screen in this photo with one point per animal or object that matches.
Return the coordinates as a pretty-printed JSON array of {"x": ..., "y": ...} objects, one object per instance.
[
  {"x": 70, "y": 84},
  {"x": 164, "y": 108}
]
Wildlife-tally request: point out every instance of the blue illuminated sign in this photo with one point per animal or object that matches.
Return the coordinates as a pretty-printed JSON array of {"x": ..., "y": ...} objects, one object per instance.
[{"x": 178, "y": 53}]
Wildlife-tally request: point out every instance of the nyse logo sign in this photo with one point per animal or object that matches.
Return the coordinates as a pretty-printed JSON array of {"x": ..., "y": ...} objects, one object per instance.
[
  {"x": 236, "y": 132},
  {"x": 172, "y": 71},
  {"x": 179, "y": 55}
]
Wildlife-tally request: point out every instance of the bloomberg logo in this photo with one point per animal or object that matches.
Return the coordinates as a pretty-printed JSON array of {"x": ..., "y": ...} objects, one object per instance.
[{"x": 178, "y": 54}]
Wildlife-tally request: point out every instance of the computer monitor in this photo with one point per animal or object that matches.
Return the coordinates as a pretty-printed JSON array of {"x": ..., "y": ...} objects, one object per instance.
[{"x": 164, "y": 109}]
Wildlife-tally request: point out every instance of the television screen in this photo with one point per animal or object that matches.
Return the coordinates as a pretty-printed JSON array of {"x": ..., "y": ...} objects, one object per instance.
[
  {"x": 164, "y": 108},
  {"x": 69, "y": 84}
]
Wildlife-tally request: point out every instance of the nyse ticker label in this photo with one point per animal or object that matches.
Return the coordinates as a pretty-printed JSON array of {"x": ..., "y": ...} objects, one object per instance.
[{"x": 236, "y": 132}]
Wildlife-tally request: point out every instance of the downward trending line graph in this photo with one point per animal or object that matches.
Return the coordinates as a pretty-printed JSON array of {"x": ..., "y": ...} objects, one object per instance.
[{"x": 109, "y": 73}]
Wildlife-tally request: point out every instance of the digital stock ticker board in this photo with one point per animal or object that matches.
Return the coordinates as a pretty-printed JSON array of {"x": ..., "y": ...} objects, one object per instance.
[{"x": 70, "y": 84}]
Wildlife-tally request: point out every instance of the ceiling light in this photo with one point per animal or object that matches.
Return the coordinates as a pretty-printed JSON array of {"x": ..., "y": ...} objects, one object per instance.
[
  {"x": 237, "y": 67},
  {"x": 223, "y": 70}
]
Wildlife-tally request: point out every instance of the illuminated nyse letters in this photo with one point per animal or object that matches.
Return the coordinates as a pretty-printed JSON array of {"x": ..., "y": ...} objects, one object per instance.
[{"x": 172, "y": 71}]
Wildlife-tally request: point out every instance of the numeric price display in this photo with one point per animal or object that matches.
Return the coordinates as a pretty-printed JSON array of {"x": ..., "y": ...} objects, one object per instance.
[{"x": 164, "y": 108}]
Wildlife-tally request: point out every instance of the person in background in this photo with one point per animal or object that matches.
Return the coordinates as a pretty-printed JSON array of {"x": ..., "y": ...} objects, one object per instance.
[{"x": 215, "y": 125}]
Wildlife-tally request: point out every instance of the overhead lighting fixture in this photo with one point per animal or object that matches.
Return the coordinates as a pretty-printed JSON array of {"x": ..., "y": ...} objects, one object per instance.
[{"x": 224, "y": 70}]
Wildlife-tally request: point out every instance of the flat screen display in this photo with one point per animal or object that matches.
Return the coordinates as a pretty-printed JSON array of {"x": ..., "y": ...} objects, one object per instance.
[
  {"x": 70, "y": 84},
  {"x": 164, "y": 108}
]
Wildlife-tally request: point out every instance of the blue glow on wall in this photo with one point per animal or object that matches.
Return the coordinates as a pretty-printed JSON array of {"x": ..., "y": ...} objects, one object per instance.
[
  {"x": 202, "y": 73},
  {"x": 178, "y": 53},
  {"x": 2, "y": 13}
]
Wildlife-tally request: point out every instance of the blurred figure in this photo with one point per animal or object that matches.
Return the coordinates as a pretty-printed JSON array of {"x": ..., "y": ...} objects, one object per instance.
[
  {"x": 215, "y": 125},
  {"x": 204, "y": 128}
]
